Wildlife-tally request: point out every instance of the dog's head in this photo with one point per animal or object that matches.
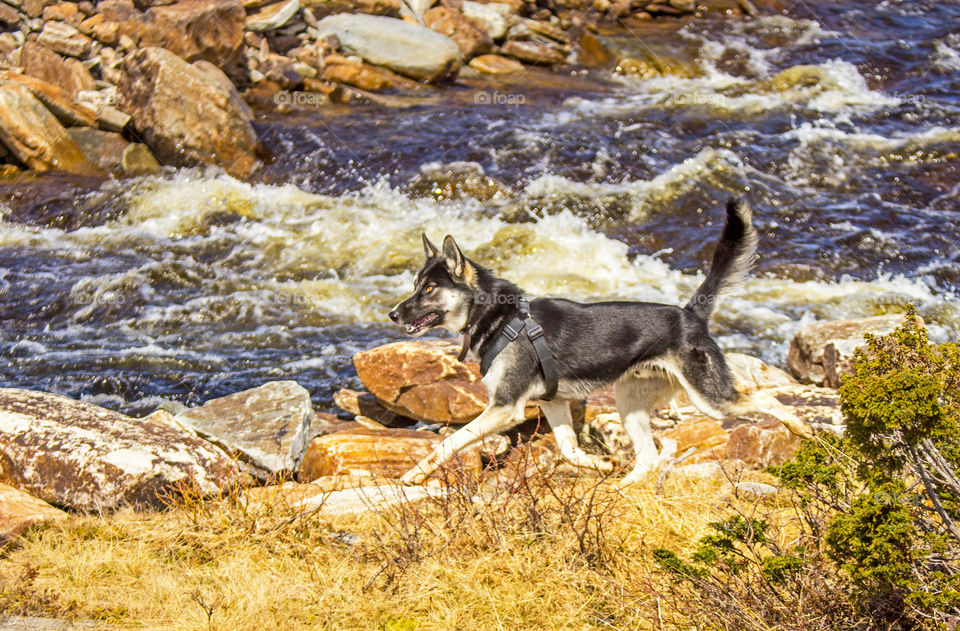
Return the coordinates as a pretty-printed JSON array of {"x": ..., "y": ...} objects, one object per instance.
[{"x": 444, "y": 290}]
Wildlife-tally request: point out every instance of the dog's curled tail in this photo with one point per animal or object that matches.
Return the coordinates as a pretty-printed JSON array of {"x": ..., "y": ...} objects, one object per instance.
[{"x": 731, "y": 260}]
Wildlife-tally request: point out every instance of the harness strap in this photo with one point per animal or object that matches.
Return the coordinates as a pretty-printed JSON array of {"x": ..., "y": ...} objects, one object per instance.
[{"x": 511, "y": 330}]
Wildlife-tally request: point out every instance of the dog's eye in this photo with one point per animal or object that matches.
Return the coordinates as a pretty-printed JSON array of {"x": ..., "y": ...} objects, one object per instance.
[{"x": 429, "y": 289}]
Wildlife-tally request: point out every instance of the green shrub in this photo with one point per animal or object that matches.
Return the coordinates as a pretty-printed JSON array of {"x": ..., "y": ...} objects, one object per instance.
[{"x": 879, "y": 544}]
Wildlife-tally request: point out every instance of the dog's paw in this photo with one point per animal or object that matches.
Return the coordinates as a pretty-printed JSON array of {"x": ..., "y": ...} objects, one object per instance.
[{"x": 413, "y": 477}]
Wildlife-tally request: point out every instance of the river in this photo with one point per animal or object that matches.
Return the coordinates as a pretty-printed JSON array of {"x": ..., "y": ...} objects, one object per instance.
[{"x": 840, "y": 124}]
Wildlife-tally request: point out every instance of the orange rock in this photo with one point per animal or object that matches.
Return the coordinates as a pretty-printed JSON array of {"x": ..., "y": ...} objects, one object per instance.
[
  {"x": 592, "y": 53},
  {"x": 70, "y": 75},
  {"x": 57, "y": 100},
  {"x": 761, "y": 445},
  {"x": 356, "y": 73},
  {"x": 495, "y": 64},
  {"x": 423, "y": 380},
  {"x": 384, "y": 452},
  {"x": 706, "y": 434},
  {"x": 533, "y": 52},
  {"x": 19, "y": 511},
  {"x": 469, "y": 37}
]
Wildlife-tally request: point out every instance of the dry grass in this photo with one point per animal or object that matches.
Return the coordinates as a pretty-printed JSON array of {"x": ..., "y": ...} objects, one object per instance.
[{"x": 550, "y": 553}]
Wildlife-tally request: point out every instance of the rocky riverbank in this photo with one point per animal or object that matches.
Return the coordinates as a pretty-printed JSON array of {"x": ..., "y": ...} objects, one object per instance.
[
  {"x": 125, "y": 87},
  {"x": 60, "y": 454}
]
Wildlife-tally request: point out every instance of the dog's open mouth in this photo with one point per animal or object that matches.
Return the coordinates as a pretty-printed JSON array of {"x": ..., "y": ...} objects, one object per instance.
[{"x": 422, "y": 323}]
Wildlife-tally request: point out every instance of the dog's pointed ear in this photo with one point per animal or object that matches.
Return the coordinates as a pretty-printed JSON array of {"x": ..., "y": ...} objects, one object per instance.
[
  {"x": 429, "y": 249},
  {"x": 453, "y": 257}
]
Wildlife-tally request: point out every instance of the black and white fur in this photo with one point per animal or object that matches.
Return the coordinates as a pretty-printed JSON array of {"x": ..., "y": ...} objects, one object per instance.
[{"x": 648, "y": 350}]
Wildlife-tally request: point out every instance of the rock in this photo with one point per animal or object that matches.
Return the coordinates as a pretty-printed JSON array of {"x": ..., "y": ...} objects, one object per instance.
[
  {"x": 468, "y": 36},
  {"x": 380, "y": 452},
  {"x": 544, "y": 28},
  {"x": 455, "y": 181},
  {"x": 758, "y": 489},
  {"x": 605, "y": 431},
  {"x": 8, "y": 15},
  {"x": 63, "y": 11},
  {"x": 198, "y": 29},
  {"x": 80, "y": 456},
  {"x": 214, "y": 73},
  {"x": 423, "y": 380},
  {"x": 330, "y": 499},
  {"x": 495, "y": 64},
  {"x": 592, "y": 53},
  {"x": 19, "y": 511},
  {"x": 34, "y": 8},
  {"x": 57, "y": 100},
  {"x": 762, "y": 445},
  {"x": 65, "y": 39},
  {"x": 410, "y": 50},
  {"x": 282, "y": 71},
  {"x": 686, "y": 6},
  {"x": 751, "y": 374},
  {"x": 70, "y": 75},
  {"x": 34, "y": 136},
  {"x": 806, "y": 358},
  {"x": 136, "y": 159},
  {"x": 273, "y": 16},
  {"x": 191, "y": 29},
  {"x": 103, "y": 148},
  {"x": 817, "y": 407},
  {"x": 707, "y": 435},
  {"x": 185, "y": 116},
  {"x": 365, "y": 404},
  {"x": 699, "y": 471},
  {"x": 267, "y": 427},
  {"x": 104, "y": 32},
  {"x": 533, "y": 52},
  {"x": 494, "y": 17}
]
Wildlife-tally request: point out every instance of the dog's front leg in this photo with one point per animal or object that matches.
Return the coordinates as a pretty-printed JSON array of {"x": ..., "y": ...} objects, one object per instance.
[{"x": 496, "y": 418}]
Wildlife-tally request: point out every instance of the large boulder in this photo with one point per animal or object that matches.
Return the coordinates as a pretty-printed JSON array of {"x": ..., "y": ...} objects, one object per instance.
[
  {"x": 408, "y": 49},
  {"x": 185, "y": 115},
  {"x": 808, "y": 350},
  {"x": 423, "y": 380},
  {"x": 81, "y": 456},
  {"x": 19, "y": 511},
  {"x": 34, "y": 135},
  {"x": 267, "y": 427},
  {"x": 191, "y": 29}
]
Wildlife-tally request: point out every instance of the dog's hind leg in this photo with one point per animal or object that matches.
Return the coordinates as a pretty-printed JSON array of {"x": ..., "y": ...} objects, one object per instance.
[
  {"x": 496, "y": 418},
  {"x": 637, "y": 397},
  {"x": 558, "y": 415}
]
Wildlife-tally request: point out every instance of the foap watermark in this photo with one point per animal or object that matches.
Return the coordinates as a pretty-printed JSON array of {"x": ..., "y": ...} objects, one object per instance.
[
  {"x": 482, "y": 97},
  {"x": 496, "y": 299},
  {"x": 300, "y": 99}
]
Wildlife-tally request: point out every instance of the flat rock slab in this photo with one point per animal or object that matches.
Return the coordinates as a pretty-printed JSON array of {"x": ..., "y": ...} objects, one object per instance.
[
  {"x": 379, "y": 452},
  {"x": 408, "y": 49},
  {"x": 423, "y": 380},
  {"x": 268, "y": 426},
  {"x": 80, "y": 456},
  {"x": 19, "y": 511},
  {"x": 366, "y": 499}
]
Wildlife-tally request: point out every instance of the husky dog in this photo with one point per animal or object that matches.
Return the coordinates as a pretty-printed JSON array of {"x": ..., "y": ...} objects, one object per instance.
[{"x": 647, "y": 350}]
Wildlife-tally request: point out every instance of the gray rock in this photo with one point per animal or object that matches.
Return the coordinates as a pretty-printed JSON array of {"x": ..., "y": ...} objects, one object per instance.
[
  {"x": 758, "y": 489},
  {"x": 494, "y": 17},
  {"x": 77, "y": 455},
  {"x": 411, "y": 50},
  {"x": 807, "y": 357},
  {"x": 267, "y": 427}
]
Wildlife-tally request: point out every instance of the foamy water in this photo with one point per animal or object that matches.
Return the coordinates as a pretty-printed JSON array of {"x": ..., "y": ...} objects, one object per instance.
[{"x": 196, "y": 284}]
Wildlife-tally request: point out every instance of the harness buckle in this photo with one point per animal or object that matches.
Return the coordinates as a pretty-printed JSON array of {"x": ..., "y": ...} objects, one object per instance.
[
  {"x": 534, "y": 330},
  {"x": 510, "y": 332}
]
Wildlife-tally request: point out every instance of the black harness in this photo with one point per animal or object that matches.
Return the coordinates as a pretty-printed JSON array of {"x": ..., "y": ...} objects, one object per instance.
[{"x": 511, "y": 331}]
